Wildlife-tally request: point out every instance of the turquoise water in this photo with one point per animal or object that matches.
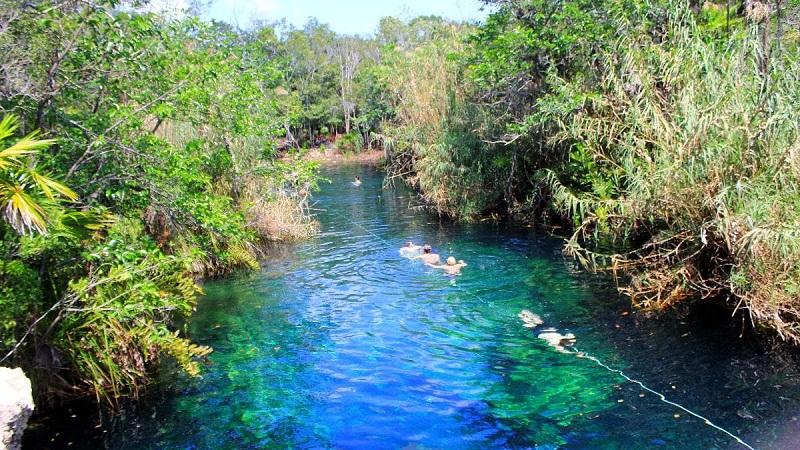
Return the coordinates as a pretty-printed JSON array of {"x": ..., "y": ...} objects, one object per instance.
[{"x": 340, "y": 343}]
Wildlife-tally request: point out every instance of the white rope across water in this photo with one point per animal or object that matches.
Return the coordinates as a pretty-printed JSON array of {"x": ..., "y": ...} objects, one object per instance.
[
  {"x": 661, "y": 396},
  {"x": 388, "y": 244},
  {"x": 373, "y": 234},
  {"x": 585, "y": 355}
]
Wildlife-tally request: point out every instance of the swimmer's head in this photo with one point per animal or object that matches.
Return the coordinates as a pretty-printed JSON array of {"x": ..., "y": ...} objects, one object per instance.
[
  {"x": 426, "y": 249},
  {"x": 409, "y": 244},
  {"x": 451, "y": 261}
]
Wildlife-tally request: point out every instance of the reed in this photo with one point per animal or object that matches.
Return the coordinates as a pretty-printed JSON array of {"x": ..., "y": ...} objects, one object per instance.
[
  {"x": 430, "y": 142},
  {"x": 696, "y": 146}
]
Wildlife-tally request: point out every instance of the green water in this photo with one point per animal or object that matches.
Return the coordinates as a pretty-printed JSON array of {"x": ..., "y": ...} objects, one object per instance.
[{"x": 338, "y": 342}]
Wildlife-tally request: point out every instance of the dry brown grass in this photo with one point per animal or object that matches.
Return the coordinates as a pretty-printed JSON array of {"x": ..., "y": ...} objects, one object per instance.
[{"x": 280, "y": 218}]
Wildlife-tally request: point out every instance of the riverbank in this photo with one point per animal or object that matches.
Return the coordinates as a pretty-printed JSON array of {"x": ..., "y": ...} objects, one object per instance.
[
  {"x": 119, "y": 189},
  {"x": 375, "y": 157},
  {"x": 650, "y": 138}
]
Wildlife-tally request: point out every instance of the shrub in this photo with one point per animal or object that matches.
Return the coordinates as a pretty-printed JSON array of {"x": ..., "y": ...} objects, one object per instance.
[
  {"x": 118, "y": 317},
  {"x": 695, "y": 146},
  {"x": 350, "y": 143}
]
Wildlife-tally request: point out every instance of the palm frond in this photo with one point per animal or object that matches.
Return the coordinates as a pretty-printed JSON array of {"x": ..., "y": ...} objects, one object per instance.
[
  {"x": 49, "y": 186},
  {"x": 8, "y": 126},
  {"x": 20, "y": 210},
  {"x": 28, "y": 145},
  {"x": 24, "y": 192}
]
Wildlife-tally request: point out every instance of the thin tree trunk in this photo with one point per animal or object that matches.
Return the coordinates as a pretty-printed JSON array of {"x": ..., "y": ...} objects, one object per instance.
[{"x": 778, "y": 27}]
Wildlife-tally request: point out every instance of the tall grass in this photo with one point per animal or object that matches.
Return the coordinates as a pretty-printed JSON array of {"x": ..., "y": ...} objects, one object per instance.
[
  {"x": 697, "y": 145},
  {"x": 430, "y": 142}
]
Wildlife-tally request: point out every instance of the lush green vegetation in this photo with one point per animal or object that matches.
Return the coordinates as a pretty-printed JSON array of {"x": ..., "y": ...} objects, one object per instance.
[
  {"x": 664, "y": 134},
  {"x": 139, "y": 154},
  {"x": 142, "y": 153},
  {"x": 167, "y": 134}
]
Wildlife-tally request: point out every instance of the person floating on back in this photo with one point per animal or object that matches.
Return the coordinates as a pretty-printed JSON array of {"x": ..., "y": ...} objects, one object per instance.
[
  {"x": 410, "y": 250},
  {"x": 558, "y": 341},
  {"x": 451, "y": 267},
  {"x": 357, "y": 181},
  {"x": 428, "y": 257}
]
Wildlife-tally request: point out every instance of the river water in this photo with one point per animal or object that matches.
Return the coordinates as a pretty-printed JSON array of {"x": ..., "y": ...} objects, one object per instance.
[{"x": 338, "y": 342}]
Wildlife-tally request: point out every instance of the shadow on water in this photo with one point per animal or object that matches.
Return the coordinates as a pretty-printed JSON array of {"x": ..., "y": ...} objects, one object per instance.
[{"x": 338, "y": 342}]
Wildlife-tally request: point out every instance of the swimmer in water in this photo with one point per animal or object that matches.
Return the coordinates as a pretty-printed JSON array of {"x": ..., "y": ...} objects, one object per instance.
[
  {"x": 357, "y": 181},
  {"x": 557, "y": 340},
  {"x": 451, "y": 267},
  {"x": 410, "y": 250},
  {"x": 428, "y": 257},
  {"x": 529, "y": 319}
]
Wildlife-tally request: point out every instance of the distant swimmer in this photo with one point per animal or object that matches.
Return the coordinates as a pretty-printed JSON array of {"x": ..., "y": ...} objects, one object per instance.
[
  {"x": 357, "y": 181},
  {"x": 428, "y": 257},
  {"x": 410, "y": 250},
  {"x": 529, "y": 319},
  {"x": 451, "y": 267}
]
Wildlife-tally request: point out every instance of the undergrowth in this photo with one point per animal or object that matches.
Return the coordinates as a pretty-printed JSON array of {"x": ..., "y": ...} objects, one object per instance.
[{"x": 695, "y": 146}]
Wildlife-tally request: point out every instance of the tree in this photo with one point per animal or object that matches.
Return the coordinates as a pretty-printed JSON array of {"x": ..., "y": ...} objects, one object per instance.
[
  {"x": 167, "y": 129},
  {"x": 312, "y": 76},
  {"x": 346, "y": 52}
]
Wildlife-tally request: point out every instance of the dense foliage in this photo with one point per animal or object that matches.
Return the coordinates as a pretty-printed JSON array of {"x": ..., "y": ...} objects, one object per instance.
[
  {"x": 138, "y": 154},
  {"x": 695, "y": 177},
  {"x": 167, "y": 133},
  {"x": 664, "y": 133}
]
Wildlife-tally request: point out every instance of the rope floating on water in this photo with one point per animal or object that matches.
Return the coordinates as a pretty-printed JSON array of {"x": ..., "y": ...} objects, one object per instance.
[
  {"x": 357, "y": 224},
  {"x": 585, "y": 355},
  {"x": 661, "y": 396}
]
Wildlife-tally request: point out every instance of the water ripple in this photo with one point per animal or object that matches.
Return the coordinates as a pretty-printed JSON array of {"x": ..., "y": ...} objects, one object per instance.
[{"x": 341, "y": 343}]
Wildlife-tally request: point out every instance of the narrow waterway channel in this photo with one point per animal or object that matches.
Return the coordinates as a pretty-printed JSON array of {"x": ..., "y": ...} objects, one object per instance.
[{"x": 338, "y": 342}]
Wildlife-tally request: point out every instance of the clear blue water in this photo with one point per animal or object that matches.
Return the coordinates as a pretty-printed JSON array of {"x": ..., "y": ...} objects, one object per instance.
[{"x": 340, "y": 343}]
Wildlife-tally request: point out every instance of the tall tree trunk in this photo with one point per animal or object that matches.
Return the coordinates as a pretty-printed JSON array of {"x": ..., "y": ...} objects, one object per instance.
[{"x": 778, "y": 26}]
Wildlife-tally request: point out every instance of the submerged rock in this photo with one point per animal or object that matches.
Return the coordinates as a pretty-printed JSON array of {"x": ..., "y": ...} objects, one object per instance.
[{"x": 16, "y": 406}]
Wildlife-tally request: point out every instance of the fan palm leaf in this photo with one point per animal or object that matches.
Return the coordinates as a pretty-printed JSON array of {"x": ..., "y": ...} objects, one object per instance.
[
  {"x": 28, "y": 145},
  {"x": 25, "y": 193},
  {"x": 21, "y": 211}
]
